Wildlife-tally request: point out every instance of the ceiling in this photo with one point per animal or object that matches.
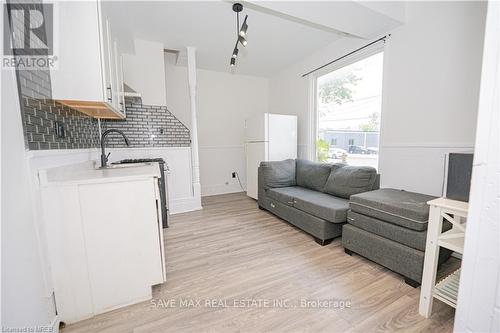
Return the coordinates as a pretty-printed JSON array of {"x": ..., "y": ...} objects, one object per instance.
[{"x": 276, "y": 38}]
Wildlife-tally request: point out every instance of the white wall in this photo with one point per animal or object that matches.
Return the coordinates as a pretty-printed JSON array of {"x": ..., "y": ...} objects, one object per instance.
[
  {"x": 431, "y": 81},
  {"x": 26, "y": 293},
  {"x": 478, "y": 307},
  {"x": 431, "y": 78},
  {"x": 224, "y": 102},
  {"x": 433, "y": 69},
  {"x": 144, "y": 71},
  {"x": 177, "y": 94}
]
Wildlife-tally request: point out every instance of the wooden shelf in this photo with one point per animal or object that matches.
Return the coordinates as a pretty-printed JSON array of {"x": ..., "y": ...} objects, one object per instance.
[
  {"x": 452, "y": 239},
  {"x": 93, "y": 109},
  {"x": 447, "y": 289}
]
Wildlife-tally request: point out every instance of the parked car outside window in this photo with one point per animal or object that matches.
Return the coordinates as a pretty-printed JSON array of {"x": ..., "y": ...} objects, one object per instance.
[
  {"x": 357, "y": 150},
  {"x": 337, "y": 153}
]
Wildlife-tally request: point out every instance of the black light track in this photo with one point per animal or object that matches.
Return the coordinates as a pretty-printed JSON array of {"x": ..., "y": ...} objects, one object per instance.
[{"x": 240, "y": 33}]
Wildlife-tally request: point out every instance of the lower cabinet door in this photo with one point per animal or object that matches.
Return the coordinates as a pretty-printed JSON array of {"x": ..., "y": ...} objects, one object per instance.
[{"x": 119, "y": 222}]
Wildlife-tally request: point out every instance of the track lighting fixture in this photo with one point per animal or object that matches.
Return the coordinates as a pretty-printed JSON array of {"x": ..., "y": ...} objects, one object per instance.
[
  {"x": 235, "y": 53},
  {"x": 242, "y": 40},
  {"x": 244, "y": 27},
  {"x": 241, "y": 33}
]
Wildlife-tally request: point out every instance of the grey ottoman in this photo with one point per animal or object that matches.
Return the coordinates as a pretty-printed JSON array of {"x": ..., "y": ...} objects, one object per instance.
[{"x": 389, "y": 227}]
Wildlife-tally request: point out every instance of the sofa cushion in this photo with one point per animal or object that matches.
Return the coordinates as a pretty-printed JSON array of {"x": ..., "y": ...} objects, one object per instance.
[
  {"x": 278, "y": 173},
  {"x": 313, "y": 225},
  {"x": 284, "y": 195},
  {"x": 322, "y": 205},
  {"x": 348, "y": 180},
  {"x": 407, "y": 209},
  {"x": 312, "y": 175}
]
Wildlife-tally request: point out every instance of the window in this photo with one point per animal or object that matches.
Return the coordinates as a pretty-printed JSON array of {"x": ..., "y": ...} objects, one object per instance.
[{"x": 348, "y": 103}]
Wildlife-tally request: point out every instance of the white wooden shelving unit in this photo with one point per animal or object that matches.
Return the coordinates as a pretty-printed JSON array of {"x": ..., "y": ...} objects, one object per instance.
[{"x": 447, "y": 289}]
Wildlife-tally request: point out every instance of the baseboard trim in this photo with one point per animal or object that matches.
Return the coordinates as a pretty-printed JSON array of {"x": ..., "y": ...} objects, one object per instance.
[{"x": 222, "y": 189}]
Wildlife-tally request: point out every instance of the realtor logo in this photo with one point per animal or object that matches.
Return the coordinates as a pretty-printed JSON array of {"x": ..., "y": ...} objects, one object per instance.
[{"x": 28, "y": 36}]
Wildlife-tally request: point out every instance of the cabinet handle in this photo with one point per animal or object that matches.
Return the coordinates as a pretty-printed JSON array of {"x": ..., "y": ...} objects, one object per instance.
[{"x": 110, "y": 98}]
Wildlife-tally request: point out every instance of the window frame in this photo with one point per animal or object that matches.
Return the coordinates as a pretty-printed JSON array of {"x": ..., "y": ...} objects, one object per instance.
[{"x": 313, "y": 91}]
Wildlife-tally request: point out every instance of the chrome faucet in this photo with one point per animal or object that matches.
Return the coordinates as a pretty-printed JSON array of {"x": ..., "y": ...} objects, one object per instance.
[{"x": 104, "y": 157}]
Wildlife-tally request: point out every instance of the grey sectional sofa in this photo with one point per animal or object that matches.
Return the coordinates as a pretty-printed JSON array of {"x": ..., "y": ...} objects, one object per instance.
[
  {"x": 312, "y": 196},
  {"x": 387, "y": 226}
]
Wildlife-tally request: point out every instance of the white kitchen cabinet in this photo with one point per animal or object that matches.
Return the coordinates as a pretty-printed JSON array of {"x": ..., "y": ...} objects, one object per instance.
[
  {"x": 119, "y": 92},
  {"x": 105, "y": 237},
  {"x": 86, "y": 74},
  {"x": 120, "y": 226}
]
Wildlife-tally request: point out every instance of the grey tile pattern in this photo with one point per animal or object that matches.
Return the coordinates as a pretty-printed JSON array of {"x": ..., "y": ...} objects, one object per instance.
[
  {"x": 40, "y": 115},
  {"x": 40, "y": 111},
  {"x": 148, "y": 126}
]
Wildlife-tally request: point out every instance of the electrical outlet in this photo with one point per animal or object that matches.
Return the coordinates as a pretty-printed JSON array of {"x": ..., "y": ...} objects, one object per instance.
[{"x": 233, "y": 175}]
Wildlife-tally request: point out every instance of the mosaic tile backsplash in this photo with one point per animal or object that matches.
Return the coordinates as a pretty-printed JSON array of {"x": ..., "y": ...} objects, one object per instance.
[
  {"x": 148, "y": 126},
  {"x": 40, "y": 120}
]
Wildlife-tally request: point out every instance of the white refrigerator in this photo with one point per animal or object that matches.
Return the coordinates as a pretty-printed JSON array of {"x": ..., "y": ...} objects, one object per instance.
[{"x": 269, "y": 137}]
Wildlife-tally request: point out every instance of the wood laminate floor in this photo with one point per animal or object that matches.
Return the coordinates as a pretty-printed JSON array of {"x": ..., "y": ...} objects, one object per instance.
[{"x": 234, "y": 268}]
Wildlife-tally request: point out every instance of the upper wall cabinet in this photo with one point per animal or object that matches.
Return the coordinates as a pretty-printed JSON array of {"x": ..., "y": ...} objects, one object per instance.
[{"x": 88, "y": 76}]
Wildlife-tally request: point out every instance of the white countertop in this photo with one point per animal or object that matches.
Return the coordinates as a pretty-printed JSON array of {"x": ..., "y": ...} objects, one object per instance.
[{"x": 88, "y": 173}]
